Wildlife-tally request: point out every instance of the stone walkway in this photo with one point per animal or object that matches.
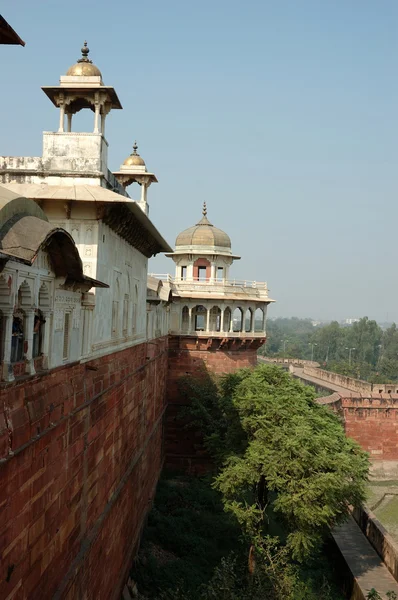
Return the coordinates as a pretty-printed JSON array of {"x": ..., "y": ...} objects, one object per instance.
[
  {"x": 299, "y": 372},
  {"x": 365, "y": 564}
]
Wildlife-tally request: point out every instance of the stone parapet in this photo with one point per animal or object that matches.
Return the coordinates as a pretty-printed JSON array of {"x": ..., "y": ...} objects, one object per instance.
[{"x": 379, "y": 537}]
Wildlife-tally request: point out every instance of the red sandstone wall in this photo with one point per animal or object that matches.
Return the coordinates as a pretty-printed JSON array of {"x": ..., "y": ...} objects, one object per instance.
[
  {"x": 183, "y": 447},
  {"x": 80, "y": 455},
  {"x": 373, "y": 422}
]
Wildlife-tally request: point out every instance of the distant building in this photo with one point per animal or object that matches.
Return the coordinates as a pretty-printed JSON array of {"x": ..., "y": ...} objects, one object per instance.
[{"x": 350, "y": 321}]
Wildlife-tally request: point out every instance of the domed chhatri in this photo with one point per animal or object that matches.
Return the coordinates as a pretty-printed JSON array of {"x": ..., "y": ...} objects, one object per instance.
[
  {"x": 82, "y": 88},
  {"x": 204, "y": 234},
  {"x": 84, "y": 66},
  {"x": 134, "y": 160}
]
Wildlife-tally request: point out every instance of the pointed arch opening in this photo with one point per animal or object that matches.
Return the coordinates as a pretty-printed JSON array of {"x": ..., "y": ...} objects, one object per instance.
[
  {"x": 248, "y": 320},
  {"x": 259, "y": 320},
  {"x": 18, "y": 335},
  {"x": 227, "y": 319},
  {"x": 237, "y": 320},
  {"x": 199, "y": 314},
  {"x": 185, "y": 319},
  {"x": 215, "y": 318}
]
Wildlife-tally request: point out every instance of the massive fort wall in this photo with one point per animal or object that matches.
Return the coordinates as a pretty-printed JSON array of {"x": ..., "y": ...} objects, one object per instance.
[
  {"x": 188, "y": 356},
  {"x": 81, "y": 452}
]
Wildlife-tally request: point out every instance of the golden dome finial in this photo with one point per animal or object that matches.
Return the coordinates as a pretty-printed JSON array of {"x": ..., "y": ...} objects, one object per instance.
[
  {"x": 85, "y": 51},
  {"x": 84, "y": 66},
  {"x": 204, "y": 210},
  {"x": 134, "y": 159}
]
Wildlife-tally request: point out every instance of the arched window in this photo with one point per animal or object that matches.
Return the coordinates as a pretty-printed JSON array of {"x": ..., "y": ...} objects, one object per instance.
[
  {"x": 200, "y": 316},
  {"x": 19, "y": 322},
  {"x": 259, "y": 321},
  {"x": 248, "y": 320},
  {"x": 227, "y": 319},
  {"x": 185, "y": 319},
  {"x": 237, "y": 320}
]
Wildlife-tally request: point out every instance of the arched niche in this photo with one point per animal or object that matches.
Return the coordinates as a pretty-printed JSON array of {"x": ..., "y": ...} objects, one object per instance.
[
  {"x": 44, "y": 296},
  {"x": 24, "y": 296},
  {"x": 5, "y": 290}
]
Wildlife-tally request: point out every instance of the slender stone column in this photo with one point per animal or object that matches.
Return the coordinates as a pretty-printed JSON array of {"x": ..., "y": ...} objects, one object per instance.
[
  {"x": 8, "y": 373},
  {"x": 208, "y": 321},
  {"x": 28, "y": 327},
  {"x": 222, "y": 320},
  {"x": 213, "y": 273},
  {"x": 96, "y": 116},
  {"x": 190, "y": 320},
  {"x": 61, "y": 118},
  {"x": 69, "y": 126},
  {"x": 253, "y": 314}
]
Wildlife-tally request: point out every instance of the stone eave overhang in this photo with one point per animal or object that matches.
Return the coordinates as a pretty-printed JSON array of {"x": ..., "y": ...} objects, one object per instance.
[
  {"x": 53, "y": 92},
  {"x": 228, "y": 297},
  {"x": 131, "y": 223},
  {"x": 129, "y": 177},
  {"x": 120, "y": 213},
  {"x": 202, "y": 251},
  {"x": 8, "y": 35}
]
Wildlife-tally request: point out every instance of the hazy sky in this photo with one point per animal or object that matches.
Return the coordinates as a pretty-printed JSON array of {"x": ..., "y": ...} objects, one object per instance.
[{"x": 281, "y": 114}]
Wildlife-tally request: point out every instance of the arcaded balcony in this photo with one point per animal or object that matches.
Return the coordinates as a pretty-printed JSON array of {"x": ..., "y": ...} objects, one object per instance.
[{"x": 208, "y": 320}]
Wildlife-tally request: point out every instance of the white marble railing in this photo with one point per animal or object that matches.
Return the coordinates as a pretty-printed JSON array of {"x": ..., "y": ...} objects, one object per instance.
[{"x": 241, "y": 283}]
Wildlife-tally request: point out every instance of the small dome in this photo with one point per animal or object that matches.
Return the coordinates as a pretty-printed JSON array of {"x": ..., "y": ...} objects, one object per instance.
[
  {"x": 134, "y": 160},
  {"x": 84, "y": 67},
  {"x": 203, "y": 234}
]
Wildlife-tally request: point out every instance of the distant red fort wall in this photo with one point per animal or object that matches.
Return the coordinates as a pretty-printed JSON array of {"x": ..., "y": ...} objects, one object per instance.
[
  {"x": 372, "y": 421},
  {"x": 188, "y": 356},
  {"x": 369, "y": 411},
  {"x": 80, "y": 456}
]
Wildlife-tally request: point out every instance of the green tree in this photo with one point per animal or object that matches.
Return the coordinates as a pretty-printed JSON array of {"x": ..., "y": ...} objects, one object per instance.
[{"x": 293, "y": 464}]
